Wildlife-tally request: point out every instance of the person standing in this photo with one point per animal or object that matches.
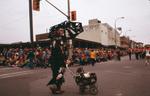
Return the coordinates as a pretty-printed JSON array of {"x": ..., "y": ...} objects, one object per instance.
[
  {"x": 57, "y": 62},
  {"x": 118, "y": 55},
  {"x": 137, "y": 54},
  {"x": 31, "y": 57},
  {"x": 92, "y": 57},
  {"x": 129, "y": 53},
  {"x": 147, "y": 57}
]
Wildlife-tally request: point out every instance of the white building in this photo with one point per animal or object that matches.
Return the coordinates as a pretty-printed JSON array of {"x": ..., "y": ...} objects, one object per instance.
[{"x": 100, "y": 33}]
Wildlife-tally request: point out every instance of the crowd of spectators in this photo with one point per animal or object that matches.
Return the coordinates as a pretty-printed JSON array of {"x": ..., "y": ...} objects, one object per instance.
[
  {"x": 83, "y": 55},
  {"x": 25, "y": 57},
  {"x": 40, "y": 57},
  {"x": 138, "y": 52}
]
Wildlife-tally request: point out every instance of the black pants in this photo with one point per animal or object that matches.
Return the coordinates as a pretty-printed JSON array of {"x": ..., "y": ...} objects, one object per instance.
[{"x": 92, "y": 61}]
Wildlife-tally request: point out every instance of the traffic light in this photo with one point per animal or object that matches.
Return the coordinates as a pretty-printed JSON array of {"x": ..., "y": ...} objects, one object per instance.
[
  {"x": 60, "y": 31},
  {"x": 73, "y": 16},
  {"x": 36, "y": 5}
]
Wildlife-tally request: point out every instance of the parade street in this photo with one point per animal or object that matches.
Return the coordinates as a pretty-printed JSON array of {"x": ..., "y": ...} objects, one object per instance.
[{"x": 115, "y": 78}]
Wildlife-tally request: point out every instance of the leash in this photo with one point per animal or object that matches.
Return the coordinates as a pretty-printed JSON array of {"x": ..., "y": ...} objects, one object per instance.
[{"x": 71, "y": 72}]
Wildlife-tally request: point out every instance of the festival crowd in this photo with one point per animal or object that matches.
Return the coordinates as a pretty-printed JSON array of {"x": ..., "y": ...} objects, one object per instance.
[{"x": 40, "y": 57}]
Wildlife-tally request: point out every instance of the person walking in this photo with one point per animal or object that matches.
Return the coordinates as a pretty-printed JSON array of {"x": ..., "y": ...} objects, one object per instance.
[{"x": 57, "y": 62}]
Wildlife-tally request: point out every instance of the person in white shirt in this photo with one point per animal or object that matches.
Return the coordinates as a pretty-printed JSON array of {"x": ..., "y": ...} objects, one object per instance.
[{"x": 147, "y": 57}]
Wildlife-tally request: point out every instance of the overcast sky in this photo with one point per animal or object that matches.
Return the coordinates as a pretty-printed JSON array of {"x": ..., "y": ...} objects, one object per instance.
[{"x": 14, "y": 17}]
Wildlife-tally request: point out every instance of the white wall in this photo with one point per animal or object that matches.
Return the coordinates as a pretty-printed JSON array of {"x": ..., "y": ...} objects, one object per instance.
[{"x": 99, "y": 32}]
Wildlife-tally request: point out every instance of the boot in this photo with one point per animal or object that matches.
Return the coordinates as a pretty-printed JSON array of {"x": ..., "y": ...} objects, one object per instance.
[{"x": 59, "y": 91}]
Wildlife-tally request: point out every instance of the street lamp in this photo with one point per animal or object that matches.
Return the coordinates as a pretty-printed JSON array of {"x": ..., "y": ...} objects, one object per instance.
[
  {"x": 128, "y": 38},
  {"x": 116, "y": 29}
]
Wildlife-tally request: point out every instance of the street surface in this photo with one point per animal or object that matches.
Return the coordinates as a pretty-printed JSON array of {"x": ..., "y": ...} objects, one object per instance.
[{"x": 115, "y": 78}]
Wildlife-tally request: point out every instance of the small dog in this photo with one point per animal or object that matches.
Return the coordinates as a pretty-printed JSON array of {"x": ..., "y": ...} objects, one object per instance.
[{"x": 86, "y": 80}]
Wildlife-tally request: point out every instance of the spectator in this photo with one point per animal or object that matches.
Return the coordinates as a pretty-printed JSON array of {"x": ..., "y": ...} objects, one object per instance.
[
  {"x": 129, "y": 53},
  {"x": 2, "y": 60},
  {"x": 92, "y": 57},
  {"x": 147, "y": 57},
  {"x": 118, "y": 55},
  {"x": 31, "y": 57}
]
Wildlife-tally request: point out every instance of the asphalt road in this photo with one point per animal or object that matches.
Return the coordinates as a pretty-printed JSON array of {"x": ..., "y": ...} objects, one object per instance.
[{"x": 115, "y": 78}]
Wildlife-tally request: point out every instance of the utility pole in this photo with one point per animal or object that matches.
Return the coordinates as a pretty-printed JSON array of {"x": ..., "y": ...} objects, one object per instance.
[
  {"x": 31, "y": 21},
  {"x": 68, "y": 10},
  {"x": 69, "y": 41},
  {"x": 115, "y": 29}
]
